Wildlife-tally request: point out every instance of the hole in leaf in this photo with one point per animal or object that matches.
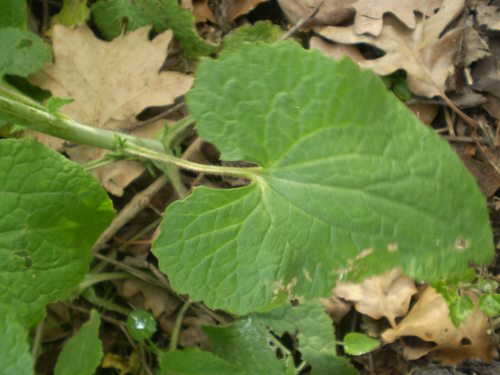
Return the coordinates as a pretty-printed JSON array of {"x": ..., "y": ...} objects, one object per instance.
[
  {"x": 28, "y": 260},
  {"x": 465, "y": 341},
  {"x": 24, "y": 43}
]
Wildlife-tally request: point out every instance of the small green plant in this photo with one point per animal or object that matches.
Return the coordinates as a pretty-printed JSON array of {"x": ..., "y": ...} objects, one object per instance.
[{"x": 335, "y": 155}]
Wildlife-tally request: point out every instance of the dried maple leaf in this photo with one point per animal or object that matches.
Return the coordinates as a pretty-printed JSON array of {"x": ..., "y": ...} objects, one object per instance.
[
  {"x": 110, "y": 83},
  {"x": 386, "y": 295},
  {"x": 429, "y": 321},
  {"x": 425, "y": 54}
]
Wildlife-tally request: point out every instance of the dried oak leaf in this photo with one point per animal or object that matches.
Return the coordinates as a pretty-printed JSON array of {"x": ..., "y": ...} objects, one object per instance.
[
  {"x": 368, "y": 13},
  {"x": 387, "y": 295},
  {"x": 429, "y": 321},
  {"x": 110, "y": 83},
  {"x": 425, "y": 54}
]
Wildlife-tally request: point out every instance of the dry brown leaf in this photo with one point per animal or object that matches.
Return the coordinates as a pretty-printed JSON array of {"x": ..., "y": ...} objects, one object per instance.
[
  {"x": 232, "y": 9},
  {"x": 336, "y": 308},
  {"x": 429, "y": 321},
  {"x": 425, "y": 54},
  {"x": 335, "y": 50},
  {"x": 110, "y": 83},
  {"x": 387, "y": 295},
  {"x": 149, "y": 297},
  {"x": 489, "y": 16},
  {"x": 486, "y": 72},
  {"x": 368, "y": 13}
]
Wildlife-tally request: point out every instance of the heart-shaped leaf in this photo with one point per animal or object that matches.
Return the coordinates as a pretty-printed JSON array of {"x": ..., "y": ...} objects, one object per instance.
[{"x": 351, "y": 184}]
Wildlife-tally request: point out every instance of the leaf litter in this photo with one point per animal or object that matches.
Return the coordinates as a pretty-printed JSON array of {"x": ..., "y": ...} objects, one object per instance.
[
  {"x": 391, "y": 296},
  {"x": 110, "y": 84}
]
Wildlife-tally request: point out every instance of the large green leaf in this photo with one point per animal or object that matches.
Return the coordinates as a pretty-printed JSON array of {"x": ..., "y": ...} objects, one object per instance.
[
  {"x": 51, "y": 212},
  {"x": 23, "y": 52},
  {"x": 315, "y": 335},
  {"x": 82, "y": 353},
  {"x": 15, "y": 357},
  {"x": 245, "y": 345},
  {"x": 193, "y": 361},
  {"x": 351, "y": 184},
  {"x": 13, "y": 13},
  {"x": 111, "y": 16}
]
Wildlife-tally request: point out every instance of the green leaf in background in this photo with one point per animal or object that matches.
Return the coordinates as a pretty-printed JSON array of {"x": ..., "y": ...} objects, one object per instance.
[
  {"x": 51, "y": 213},
  {"x": 141, "y": 325},
  {"x": 111, "y": 16},
  {"x": 54, "y": 104},
  {"x": 358, "y": 343},
  {"x": 14, "y": 13},
  {"x": 193, "y": 361},
  {"x": 15, "y": 357},
  {"x": 490, "y": 304},
  {"x": 82, "y": 353},
  {"x": 262, "y": 31},
  {"x": 397, "y": 83},
  {"x": 351, "y": 184},
  {"x": 315, "y": 334},
  {"x": 245, "y": 345},
  {"x": 460, "y": 307},
  {"x": 73, "y": 13},
  {"x": 23, "y": 52}
]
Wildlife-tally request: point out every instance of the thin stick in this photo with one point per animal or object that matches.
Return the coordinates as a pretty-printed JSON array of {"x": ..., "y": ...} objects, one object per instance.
[
  {"x": 131, "y": 209},
  {"x": 301, "y": 22}
]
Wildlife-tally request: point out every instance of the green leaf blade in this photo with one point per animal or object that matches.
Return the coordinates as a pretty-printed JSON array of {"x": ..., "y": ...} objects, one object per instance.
[
  {"x": 109, "y": 17},
  {"x": 51, "y": 212},
  {"x": 352, "y": 184},
  {"x": 193, "y": 361},
  {"x": 358, "y": 343},
  {"x": 245, "y": 345},
  {"x": 82, "y": 353},
  {"x": 13, "y": 14},
  {"x": 315, "y": 334},
  {"x": 15, "y": 358},
  {"x": 23, "y": 52}
]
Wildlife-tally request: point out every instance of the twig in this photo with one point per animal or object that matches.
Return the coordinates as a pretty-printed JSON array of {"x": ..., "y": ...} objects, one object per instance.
[
  {"x": 489, "y": 159},
  {"x": 462, "y": 139},
  {"x": 159, "y": 116},
  {"x": 449, "y": 122},
  {"x": 301, "y": 22},
  {"x": 469, "y": 120},
  {"x": 37, "y": 341},
  {"x": 137, "y": 273},
  {"x": 131, "y": 209}
]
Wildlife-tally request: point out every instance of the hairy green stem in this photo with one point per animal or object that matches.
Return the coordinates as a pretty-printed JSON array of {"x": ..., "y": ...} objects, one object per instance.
[
  {"x": 23, "y": 111},
  {"x": 133, "y": 149}
]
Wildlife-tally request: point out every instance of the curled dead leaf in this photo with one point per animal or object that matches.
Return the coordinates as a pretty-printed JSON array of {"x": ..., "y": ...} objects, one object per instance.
[
  {"x": 387, "y": 295},
  {"x": 149, "y": 297},
  {"x": 429, "y": 321}
]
